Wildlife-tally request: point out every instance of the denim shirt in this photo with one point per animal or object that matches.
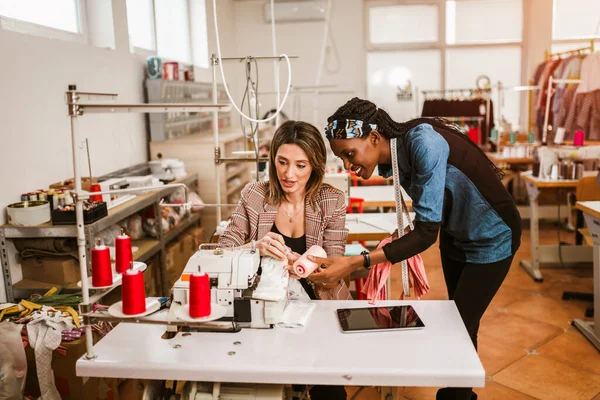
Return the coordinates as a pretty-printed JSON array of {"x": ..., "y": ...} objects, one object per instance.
[{"x": 442, "y": 193}]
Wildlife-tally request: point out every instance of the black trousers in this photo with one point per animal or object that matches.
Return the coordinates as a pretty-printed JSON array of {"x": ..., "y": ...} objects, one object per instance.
[{"x": 472, "y": 287}]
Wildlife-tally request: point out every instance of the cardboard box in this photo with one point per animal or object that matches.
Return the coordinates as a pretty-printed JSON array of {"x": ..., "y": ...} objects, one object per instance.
[
  {"x": 175, "y": 262},
  {"x": 152, "y": 278},
  {"x": 68, "y": 384},
  {"x": 57, "y": 271},
  {"x": 70, "y": 183}
]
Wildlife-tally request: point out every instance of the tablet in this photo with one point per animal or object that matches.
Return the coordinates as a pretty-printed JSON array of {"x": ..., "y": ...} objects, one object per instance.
[{"x": 377, "y": 319}]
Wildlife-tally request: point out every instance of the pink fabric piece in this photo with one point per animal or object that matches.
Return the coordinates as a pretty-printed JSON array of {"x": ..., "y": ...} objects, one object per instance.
[{"x": 374, "y": 287}]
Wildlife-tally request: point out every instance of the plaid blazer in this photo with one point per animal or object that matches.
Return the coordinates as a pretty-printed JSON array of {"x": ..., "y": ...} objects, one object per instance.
[{"x": 325, "y": 225}]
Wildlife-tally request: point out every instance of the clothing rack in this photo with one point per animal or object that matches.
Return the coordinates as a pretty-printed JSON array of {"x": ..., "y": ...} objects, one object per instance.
[
  {"x": 552, "y": 81},
  {"x": 463, "y": 94},
  {"x": 584, "y": 50}
]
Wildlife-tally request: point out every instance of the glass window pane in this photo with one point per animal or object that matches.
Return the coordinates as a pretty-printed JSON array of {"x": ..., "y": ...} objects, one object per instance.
[
  {"x": 484, "y": 21},
  {"x": 140, "y": 21},
  {"x": 386, "y": 71},
  {"x": 403, "y": 24},
  {"x": 463, "y": 66},
  {"x": 173, "y": 30},
  {"x": 58, "y": 14},
  {"x": 199, "y": 33},
  {"x": 574, "y": 19}
]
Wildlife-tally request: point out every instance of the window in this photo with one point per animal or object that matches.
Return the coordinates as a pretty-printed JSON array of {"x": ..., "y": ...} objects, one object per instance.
[
  {"x": 575, "y": 19},
  {"x": 403, "y": 24},
  {"x": 140, "y": 22},
  {"x": 484, "y": 21},
  {"x": 387, "y": 71},
  {"x": 443, "y": 44},
  {"x": 199, "y": 33},
  {"x": 503, "y": 64},
  {"x": 58, "y": 14},
  {"x": 173, "y": 30}
]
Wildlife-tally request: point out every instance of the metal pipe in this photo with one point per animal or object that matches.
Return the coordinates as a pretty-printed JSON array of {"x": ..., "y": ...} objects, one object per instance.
[
  {"x": 216, "y": 134},
  {"x": 547, "y": 113},
  {"x": 255, "y": 58},
  {"x": 85, "y": 299}
]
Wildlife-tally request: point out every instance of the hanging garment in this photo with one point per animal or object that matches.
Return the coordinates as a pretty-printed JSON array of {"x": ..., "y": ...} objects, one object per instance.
[{"x": 462, "y": 108}]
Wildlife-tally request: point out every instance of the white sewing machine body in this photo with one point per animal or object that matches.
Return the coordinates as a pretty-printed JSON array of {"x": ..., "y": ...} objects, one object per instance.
[
  {"x": 551, "y": 155},
  {"x": 233, "y": 277}
]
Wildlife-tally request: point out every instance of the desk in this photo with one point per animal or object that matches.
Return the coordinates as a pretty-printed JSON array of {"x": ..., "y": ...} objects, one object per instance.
[
  {"x": 498, "y": 158},
  {"x": 371, "y": 226},
  {"x": 548, "y": 254},
  {"x": 441, "y": 354},
  {"x": 378, "y": 196},
  {"x": 591, "y": 213}
]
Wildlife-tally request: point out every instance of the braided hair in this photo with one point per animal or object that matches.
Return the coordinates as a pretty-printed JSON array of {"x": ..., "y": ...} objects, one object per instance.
[{"x": 368, "y": 112}]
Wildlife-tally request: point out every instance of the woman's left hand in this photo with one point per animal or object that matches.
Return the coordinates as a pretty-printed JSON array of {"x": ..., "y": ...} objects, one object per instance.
[{"x": 332, "y": 270}]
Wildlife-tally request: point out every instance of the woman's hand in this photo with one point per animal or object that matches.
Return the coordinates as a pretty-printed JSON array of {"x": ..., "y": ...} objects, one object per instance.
[
  {"x": 273, "y": 245},
  {"x": 331, "y": 270},
  {"x": 292, "y": 257}
]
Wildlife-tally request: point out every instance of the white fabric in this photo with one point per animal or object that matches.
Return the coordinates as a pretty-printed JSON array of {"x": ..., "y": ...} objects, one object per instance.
[
  {"x": 273, "y": 284},
  {"x": 44, "y": 339},
  {"x": 296, "y": 291},
  {"x": 296, "y": 314},
  {"x": 589, "y": 74}
]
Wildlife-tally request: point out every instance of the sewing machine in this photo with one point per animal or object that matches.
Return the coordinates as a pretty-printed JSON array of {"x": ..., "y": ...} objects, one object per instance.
[
  {"x": 233, "y": 277},
  {"x": 551, "y": 155}
]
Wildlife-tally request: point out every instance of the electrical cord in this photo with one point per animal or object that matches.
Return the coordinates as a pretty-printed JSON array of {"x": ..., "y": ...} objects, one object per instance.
[
  {"x": 250, "y": 92},
  {"x": 287, "y": 59}
]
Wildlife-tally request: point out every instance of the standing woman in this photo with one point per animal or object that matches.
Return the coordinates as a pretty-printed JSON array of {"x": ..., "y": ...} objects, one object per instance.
[{"x": 456, "y": 191}]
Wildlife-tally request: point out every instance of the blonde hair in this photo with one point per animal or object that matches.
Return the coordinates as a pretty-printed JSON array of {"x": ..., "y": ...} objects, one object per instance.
[{"x": 309, "y": 139}]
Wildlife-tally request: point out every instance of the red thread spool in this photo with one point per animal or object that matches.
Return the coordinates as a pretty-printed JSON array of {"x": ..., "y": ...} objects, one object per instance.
[
  {"x": 124, "y": 255},
  {"x": 95, "y": 197},
  {"x": 133, "y": 293},
  {"x": 199, "y": 295},
  {"x": 101, "y": 268}
]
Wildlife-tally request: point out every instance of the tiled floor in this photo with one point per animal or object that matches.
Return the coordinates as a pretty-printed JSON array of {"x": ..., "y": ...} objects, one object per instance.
[{"x": 526, "y": 343}]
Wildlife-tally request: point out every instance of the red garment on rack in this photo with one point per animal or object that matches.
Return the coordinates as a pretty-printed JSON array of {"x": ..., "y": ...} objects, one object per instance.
[
  {"x": 374, "y": 287},
  {"x": 475, "y": 135}
]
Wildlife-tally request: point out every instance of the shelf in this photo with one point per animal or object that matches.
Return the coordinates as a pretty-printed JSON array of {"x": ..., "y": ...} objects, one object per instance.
[
  {"x": 146, "y": 249},
  {"x": 182, "y": 226},
  {"x": 26, "y": 287},
  {"x": 115, "y": 215},
  {"x": 238, "y": 187},
  {"x": 235, "y": 173}
]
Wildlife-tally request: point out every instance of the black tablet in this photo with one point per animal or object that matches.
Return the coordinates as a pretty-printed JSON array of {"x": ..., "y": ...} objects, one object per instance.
[{"x": 374, "y": 319}]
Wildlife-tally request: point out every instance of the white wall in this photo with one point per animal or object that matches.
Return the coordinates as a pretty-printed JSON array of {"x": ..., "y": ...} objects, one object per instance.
[
  {"x": 35, "y": 137},
  {"x": 303, "y": 39}
]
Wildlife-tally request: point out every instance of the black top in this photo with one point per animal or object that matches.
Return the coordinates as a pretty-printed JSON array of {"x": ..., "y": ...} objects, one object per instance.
[{"x": 298, "y": 245}]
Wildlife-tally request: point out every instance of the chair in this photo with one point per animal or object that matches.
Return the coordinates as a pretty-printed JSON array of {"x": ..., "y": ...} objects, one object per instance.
[
  {"x": 356, "y": 202},
  {"x": 587, "y": 190}
]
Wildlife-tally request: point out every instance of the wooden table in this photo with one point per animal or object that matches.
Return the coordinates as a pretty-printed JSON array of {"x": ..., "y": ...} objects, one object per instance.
[
  {"x": 591, "y": 213},
  {"x": 548, "y": 254},
  {"x": 498, "y": 158}
]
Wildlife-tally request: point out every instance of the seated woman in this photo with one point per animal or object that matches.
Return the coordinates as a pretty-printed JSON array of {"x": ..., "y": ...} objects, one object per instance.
[{"x": 295, "y": 210}]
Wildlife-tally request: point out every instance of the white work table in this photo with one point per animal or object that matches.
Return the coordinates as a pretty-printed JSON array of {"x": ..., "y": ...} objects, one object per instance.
[
  {"x": 371, "y": 226},
  {"x": 548, "y": 254},
  {"x": 440, "y": 354},
  {"x": 591, "y": 212}
]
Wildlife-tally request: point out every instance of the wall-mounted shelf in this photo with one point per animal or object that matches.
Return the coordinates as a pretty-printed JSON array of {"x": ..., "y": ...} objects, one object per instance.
[{"x": 148, "y": 247}]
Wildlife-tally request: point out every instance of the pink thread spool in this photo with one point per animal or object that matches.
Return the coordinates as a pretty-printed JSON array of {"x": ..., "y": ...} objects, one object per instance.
[
  {"x": 303, "y": 267},
  {"x": 578, "y": 138}
]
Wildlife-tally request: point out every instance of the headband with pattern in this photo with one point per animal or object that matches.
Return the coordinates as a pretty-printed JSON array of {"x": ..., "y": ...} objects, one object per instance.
[{"x": 348, "y": 129}]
